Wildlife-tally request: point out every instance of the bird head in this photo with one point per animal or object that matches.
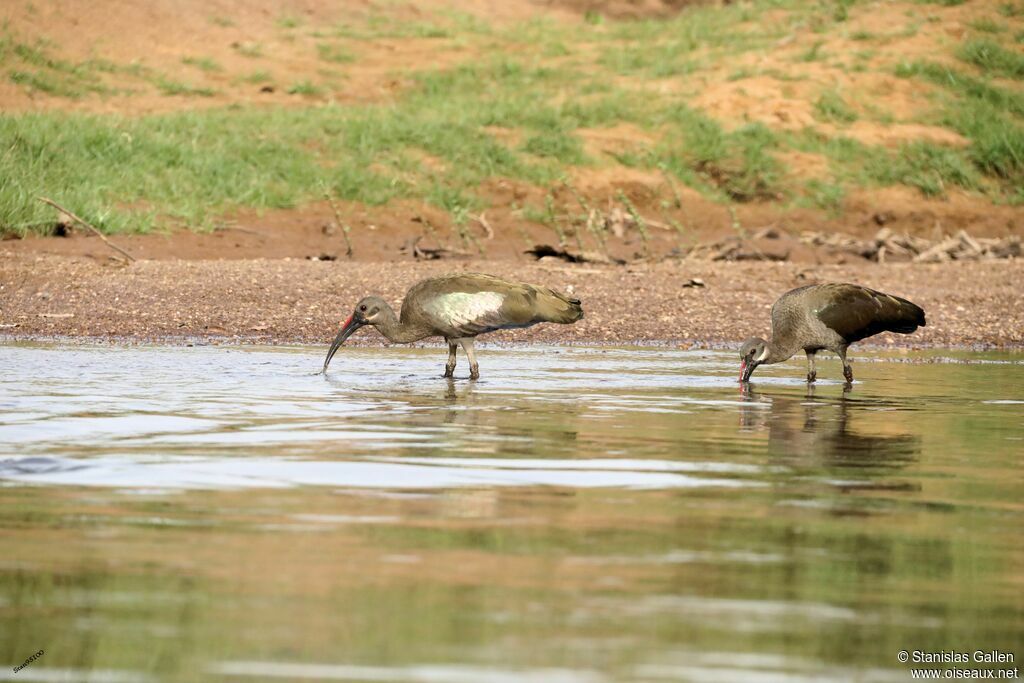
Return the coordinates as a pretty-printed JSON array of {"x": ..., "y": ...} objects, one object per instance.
[
  {"x": 367, "y": 312},
  {"x": 752, "y": 353}
]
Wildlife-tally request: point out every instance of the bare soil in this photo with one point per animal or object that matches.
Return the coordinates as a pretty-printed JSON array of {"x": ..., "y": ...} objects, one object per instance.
[
  {"x": 288, "y": 300},
  {"x": 283, "y": 276}
]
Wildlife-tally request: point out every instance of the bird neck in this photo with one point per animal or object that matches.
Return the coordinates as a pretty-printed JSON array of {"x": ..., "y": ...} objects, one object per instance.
[
  {"x": 398, "y": 332},
  {"x": 779, "y": 351}
]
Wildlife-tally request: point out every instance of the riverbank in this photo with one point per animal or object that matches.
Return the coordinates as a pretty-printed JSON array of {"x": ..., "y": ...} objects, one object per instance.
[{"x": 300, "y": 301}]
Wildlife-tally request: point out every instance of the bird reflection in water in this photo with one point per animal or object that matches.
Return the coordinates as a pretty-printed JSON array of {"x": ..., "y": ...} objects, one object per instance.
[{"x": 837, "y": 431}]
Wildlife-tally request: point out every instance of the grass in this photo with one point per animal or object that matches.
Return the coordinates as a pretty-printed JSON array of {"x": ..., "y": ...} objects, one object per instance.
[
  {"x": 928, "y": 167},
  {"x": 831, "y": 107},
  {"x": 431, "y": 142},
  {"x": 251, "y": 50},
  {"x": 993, "y": 58},
  {"x": 306, "y": 88},
  {"x": 257, "y": 77},
  {"x": 813, "y": 53},
  {"x": 965, "y": 85},
  {"x": 1012, "y": 9},
  {"x": 334, "y": 53},
  {"x": 169, "y": 86},
  {"x": 987, "y": 25},
  {"x": 36, "y": 70},
  {"x": 41, "y": 81},
  {"x": 988, "y": 115},
  {"x": 203, "y": 63}
]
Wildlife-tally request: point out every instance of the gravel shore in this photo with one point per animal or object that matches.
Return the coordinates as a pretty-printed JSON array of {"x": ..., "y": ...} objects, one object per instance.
[{"x": 288, "y": 301}]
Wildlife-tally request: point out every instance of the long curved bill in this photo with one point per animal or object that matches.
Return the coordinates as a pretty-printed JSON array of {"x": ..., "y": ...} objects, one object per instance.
[
  {"x": 344, "y": 333},
  {"x": 747, "y": 369}
]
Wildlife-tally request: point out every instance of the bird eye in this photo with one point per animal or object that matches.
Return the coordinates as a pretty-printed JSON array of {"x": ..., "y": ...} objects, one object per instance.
[{"x": 363, "y": 308}]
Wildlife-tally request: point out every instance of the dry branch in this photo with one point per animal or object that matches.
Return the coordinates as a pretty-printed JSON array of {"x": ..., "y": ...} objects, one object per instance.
[
  {"x": 488, "y": 230},
  {"x": 75, "y": 218},
  {"x": 345, "y": 229}
]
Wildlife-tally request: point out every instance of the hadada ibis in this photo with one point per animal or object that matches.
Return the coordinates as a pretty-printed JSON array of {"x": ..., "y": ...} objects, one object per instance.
[
  {"x": 459, "y": 307},
  {"x": 830, "y": 317}
]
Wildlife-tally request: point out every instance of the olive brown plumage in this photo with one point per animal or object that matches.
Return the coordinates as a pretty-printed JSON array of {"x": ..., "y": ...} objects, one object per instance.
[
  {"x": 459, "y": 307},
  {"x": 830, "y": 317}
]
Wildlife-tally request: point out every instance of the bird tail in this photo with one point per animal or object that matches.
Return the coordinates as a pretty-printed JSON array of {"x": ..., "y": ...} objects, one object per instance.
[
  {"x": 555, "y": 307},
  {"x": 906, "y": 316}
]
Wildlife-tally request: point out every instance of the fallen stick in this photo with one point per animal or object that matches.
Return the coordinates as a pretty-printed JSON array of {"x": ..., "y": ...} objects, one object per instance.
[
  {"x": 338, "y": 219},
  {"x": 83, "y": 222},
  {"x": 482, "y": 220}
]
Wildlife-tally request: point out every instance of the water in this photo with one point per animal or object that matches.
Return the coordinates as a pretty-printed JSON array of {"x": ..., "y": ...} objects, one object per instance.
[{"x": 577, "y": 516}]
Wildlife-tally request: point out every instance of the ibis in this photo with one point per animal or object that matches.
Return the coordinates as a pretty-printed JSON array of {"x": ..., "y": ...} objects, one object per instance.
[
  {"x": 828, "y": 316},
  {"x": 459, "y": 307}
]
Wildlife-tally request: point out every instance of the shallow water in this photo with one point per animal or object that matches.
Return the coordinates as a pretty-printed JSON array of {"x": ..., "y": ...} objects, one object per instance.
[{"x": 578, "y": 515}]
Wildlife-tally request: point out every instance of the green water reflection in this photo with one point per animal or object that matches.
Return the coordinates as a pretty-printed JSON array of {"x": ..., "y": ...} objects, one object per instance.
[{"x": 797, "y": 536}]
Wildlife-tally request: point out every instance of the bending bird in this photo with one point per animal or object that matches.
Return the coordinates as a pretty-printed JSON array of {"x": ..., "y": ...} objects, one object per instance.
[
  {"x": 459, "y": 307},
  {"x": 829, "y": 317}
]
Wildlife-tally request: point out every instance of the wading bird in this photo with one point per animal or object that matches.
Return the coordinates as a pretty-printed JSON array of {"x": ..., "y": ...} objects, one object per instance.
[
  {"x": 459, "y": 307},
  {"x": 829, "y": 316}
]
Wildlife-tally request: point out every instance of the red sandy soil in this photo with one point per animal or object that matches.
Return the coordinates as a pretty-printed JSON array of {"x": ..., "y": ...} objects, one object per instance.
[
  {"x": 160, "y": 34},
  {"x": 252, "y": 278},
  {"x": 286, "y": 300}
]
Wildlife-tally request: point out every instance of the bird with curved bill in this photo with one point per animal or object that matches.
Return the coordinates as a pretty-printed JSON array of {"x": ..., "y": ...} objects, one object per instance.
[
  {"x": 829, "y": 317},
  {"x": 459, "y": 307}
]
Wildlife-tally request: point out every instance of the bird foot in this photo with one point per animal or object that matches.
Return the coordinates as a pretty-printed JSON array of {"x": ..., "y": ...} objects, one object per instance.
[
  {"x": 811, "y": 377},
  {"x": 848, "y": 374},
  {"x": 474, "y": 373},
  {"x": 449, "y": 371}
]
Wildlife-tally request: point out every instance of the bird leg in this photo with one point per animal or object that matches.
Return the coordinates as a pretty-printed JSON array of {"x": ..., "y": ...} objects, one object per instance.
[
  {"x": 474, "y": 367},
  {"x": 812, "y": 374},
  {"x": 847, "y": 370},
  {"x": 449, "y": 367}
]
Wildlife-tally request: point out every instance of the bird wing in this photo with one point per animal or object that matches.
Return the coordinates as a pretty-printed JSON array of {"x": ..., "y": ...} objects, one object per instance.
[
  {"x": 468, "y": 304},
  {"x": 856, "y": 312},
  {"x": 465, "y": 314}
]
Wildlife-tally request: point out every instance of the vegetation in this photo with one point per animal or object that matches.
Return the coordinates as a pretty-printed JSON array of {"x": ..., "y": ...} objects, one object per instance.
[{"x": 504, "y": 113}]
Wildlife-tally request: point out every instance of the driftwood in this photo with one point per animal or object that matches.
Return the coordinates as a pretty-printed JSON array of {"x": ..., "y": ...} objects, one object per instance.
[
  {"x": 75, "y": 218},
  {"x": 571, "y": 255},
  {"x": 887, "y": 245},
  {"x": 770, "y": 244},
  {"x": 741, "y": 248},
  {"x": 431, "y": 253}
]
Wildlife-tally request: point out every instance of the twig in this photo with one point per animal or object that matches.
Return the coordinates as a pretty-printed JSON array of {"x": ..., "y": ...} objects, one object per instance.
[
  {"x": 549, "y": 211},
  {"x": 236, "y": 228},
  {"x": 482, "y": 220},
  {"x": 459, "y": 219},
  {"x": 677, "y": 199},
  {"x": 75, "y": 218},
  {"x": 641, "y": 224},
  {"x": 579, "y": 198},
  {"x": 596, "y": 226},
  {"x": 338, "y": 219}
]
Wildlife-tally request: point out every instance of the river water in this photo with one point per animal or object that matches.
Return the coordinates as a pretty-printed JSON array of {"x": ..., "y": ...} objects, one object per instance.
[{"x": 578, "y": 515}]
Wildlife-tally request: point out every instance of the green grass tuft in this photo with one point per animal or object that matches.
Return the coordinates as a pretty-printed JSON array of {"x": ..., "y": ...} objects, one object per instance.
[
  {"x": 965, "y": 85},
  {"x": 334, "y": 53},
  {"x": 987, "y": 25},
  {"x": 831, "y": 107},
  {"x": 930, "y": 168},
  {"x": 257, "y": 77},
  {"x": 171, "y": 87},
  {"x": 560, "y": 145},
  {"x": 41, "y": 81},
  {"x": 202, "y": 63},
  {"x": 306, "y": 88},
  {"x": 993, "y": 58}
]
